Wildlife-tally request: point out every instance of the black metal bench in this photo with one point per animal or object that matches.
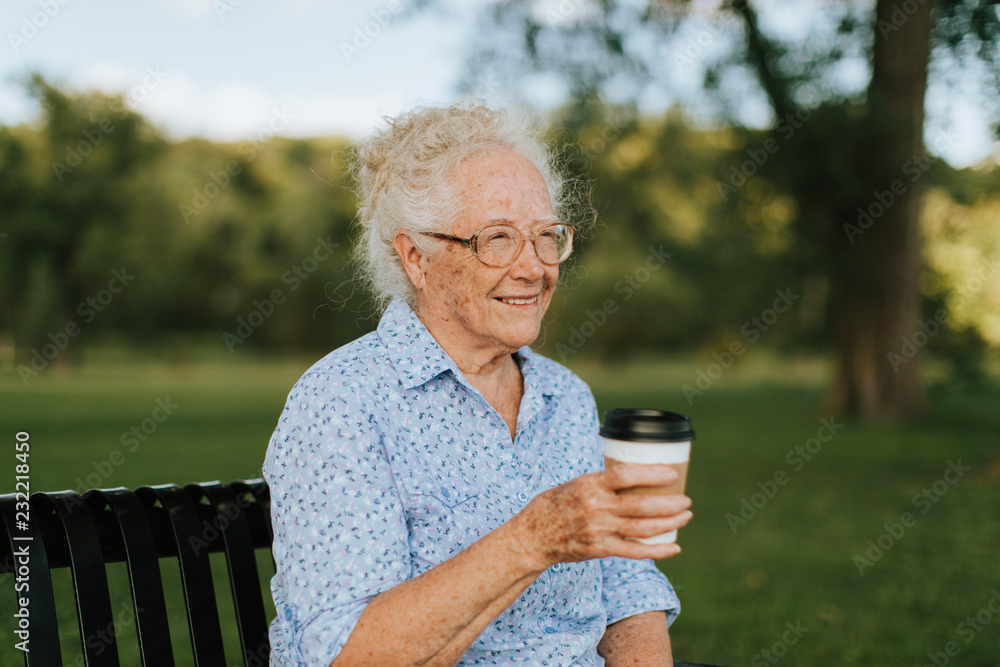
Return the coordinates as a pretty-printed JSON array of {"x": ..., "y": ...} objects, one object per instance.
[{"x": 138, "y": 528}]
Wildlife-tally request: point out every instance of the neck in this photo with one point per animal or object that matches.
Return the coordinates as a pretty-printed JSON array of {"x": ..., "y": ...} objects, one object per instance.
[
  {"x": 481, "y": 361},
  {"x": 486, "y": 363}
]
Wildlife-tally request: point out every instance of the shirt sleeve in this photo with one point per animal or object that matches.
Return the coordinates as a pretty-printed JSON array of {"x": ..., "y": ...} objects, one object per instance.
[
  {"x": 632, "y": 587},
  {"x": 340, "y": 533}
]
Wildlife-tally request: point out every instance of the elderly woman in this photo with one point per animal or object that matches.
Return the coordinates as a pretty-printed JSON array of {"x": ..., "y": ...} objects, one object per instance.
[{"x": 438, "y": 492}]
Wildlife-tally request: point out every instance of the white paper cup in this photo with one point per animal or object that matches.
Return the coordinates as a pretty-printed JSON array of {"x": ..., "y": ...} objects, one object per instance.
[{"x": 647, "y": 436}]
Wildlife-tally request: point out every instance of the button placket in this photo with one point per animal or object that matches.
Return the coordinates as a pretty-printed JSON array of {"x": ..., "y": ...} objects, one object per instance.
[{"x": 507, "y": 456}]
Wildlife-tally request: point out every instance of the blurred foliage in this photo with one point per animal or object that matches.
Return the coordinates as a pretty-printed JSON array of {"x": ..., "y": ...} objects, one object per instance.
[
  {"x": 216, "y": 233},
  {"x": 844, "y": 85},
  {"x": 91, "y": 189},
  {"x": 737, "y": 234},
  {"x": 963, "y": 257}
]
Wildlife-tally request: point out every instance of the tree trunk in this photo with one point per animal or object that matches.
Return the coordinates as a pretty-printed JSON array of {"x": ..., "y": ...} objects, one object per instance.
[{"x": 876, "y": 284}]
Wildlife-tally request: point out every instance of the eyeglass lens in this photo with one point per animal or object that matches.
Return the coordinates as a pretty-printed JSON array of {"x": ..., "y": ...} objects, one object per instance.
[{"x": 498, "y": 245}]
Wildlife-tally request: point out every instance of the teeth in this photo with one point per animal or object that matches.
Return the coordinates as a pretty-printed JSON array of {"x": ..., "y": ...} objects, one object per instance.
[{"x": 520, "y": 302}]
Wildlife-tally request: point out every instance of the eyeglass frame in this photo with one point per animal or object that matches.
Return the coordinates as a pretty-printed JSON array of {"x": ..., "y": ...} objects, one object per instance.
[{"x": 521, "y": 235}]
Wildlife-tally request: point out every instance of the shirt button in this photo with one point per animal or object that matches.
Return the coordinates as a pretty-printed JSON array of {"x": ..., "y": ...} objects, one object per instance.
[
  {"x": 549, "y": 630},
  {"x": 444, "y": 492},
  {"x": 522, "y": 496}
]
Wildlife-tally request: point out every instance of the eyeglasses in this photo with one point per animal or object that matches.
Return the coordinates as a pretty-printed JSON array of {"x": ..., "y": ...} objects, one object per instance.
[{"x": 500, "y": 245}]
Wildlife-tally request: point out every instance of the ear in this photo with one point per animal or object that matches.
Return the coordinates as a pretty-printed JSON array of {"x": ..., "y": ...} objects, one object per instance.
[{"x": 412, "y": 258}]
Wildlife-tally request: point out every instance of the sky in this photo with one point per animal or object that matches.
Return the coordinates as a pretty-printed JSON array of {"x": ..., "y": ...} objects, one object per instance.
[{"x": 225, "y": 69}]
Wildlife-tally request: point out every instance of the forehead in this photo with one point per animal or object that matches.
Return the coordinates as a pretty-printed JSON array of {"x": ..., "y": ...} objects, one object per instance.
[{"x": 501, "y": 185}]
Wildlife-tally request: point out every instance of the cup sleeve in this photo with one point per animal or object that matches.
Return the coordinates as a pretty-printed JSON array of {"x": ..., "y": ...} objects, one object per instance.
[
  {"x": 340, "y": 535},
  {"x": 631, "y": 587}
]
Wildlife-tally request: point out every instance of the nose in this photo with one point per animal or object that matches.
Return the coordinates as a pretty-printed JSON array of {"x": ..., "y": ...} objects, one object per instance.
[{"x": 527, "y": 266}]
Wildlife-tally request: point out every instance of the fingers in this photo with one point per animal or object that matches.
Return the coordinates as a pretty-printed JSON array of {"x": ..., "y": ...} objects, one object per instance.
[
  {"x": 627, "y": 475},
  {"x": 586, "y": 518},
  {"x": 640, "y": 505},
  {"x": 638, "y": 528},
  {"x": 638, "y": 550},
  {"x": 633, "y": 530}
]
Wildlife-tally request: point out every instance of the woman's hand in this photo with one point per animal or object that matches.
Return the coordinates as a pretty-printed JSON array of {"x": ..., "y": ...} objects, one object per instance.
[
  {"x": 432, "y": 619},
  {"x": 586, "y": 518}
]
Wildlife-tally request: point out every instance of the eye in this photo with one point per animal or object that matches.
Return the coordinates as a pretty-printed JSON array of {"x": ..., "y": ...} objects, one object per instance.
[
  {"x": 497, "y": 235},
  {"x": 557, "y": 233}
]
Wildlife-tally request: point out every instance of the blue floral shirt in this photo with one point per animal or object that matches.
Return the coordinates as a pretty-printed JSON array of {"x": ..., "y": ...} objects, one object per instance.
[{"x": 386, "y": 462}]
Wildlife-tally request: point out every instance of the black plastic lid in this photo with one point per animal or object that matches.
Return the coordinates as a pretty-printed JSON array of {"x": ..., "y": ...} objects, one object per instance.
[{"x": 646, "y": 425}]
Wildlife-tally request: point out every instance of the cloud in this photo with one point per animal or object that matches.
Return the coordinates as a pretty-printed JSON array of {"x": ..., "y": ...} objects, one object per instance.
[
  {"x": 207, "y": 9},
  {"x": 182, "y": 106},
  {"x": 228, "y": 111},
  {"x": 108, "y": 77},
  {"x": 235, "y": 110},
  {"x": 191, "y": 9}
]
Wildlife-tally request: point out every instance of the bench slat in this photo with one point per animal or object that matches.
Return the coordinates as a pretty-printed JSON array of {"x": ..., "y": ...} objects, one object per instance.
[
  {"x": 258, "y": 520},
  {"x": 148, "y": 606},
  {"x": 231, "y": 512},
  {"x": 44, "y": 645},
  {"x": 196, "y": 570},
  {"x": 90, "y": 580}
]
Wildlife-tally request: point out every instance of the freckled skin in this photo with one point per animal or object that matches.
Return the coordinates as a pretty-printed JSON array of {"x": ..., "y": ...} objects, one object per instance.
[
  {"x": 446, "y": 608},
  {"x": 458, "y": 299}
]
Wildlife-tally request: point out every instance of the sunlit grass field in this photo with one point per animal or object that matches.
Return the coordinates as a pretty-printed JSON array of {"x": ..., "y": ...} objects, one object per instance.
[{"x": 788, "y": 561}]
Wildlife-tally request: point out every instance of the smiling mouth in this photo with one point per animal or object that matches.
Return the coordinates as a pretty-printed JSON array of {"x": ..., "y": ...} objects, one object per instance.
[{"x": 518, "y": 302}]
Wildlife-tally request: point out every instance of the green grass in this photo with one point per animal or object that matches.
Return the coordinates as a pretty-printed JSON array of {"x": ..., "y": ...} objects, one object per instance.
[{"x": 791, "y": 562}]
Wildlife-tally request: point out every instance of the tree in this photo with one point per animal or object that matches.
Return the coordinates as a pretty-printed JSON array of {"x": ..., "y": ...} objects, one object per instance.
[
  {"x": 67, "y": 196},
  {"x": 208, "y": 237},
  {"x": 876, "y": 285},
  {"x": 855, "y": 170}
]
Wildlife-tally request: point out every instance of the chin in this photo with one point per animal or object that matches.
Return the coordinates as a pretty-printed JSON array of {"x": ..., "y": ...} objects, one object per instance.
[
  {"x": 520, "y": 336},
  {"x": 517, "y": 329}
]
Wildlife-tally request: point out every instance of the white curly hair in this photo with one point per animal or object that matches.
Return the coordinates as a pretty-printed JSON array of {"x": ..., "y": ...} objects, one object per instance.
[{"x": 403, "y": 180}]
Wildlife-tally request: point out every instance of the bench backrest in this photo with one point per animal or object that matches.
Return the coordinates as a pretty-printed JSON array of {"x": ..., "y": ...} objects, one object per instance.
[{"x": 83, "y": 533}]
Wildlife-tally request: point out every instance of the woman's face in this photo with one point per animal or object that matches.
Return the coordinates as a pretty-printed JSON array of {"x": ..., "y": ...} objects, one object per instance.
[{"x": 473, "y": 302}]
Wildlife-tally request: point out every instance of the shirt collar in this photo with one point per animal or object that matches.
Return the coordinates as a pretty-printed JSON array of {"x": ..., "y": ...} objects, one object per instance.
[
  {"x": 413, "y": 351},
  {"x": 418, "y": 357}
]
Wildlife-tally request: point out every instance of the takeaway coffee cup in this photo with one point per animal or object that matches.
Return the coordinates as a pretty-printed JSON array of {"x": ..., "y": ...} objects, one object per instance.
[{"x": 644, "y": 435}]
